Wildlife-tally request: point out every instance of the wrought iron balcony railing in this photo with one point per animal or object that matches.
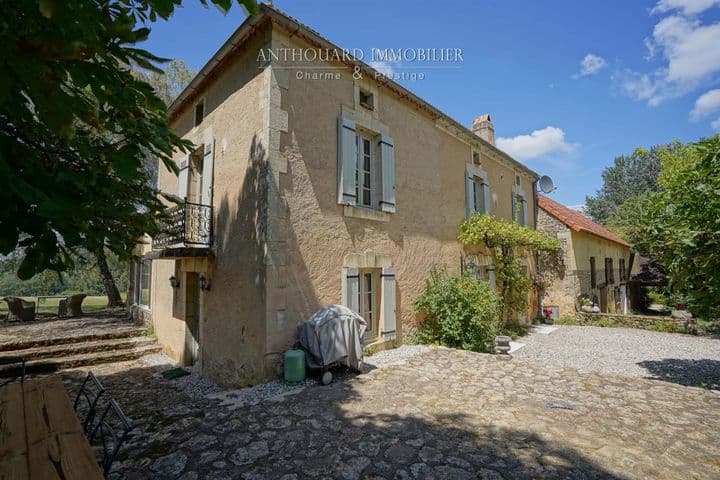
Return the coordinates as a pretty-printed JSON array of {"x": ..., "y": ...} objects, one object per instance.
[{"x": 189, "y": 225}]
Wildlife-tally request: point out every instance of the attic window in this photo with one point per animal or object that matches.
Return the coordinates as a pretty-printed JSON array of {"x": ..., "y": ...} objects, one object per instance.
[
  {"x": 199, "y": 112},
  {"x": 517, "y": 179},
  {"x": 366, "y": 99},
  {"x": 476, "y": 158}
]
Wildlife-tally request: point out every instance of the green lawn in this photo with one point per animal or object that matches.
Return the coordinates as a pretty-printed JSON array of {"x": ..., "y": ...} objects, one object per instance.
[{"x": 92, "y": 303}]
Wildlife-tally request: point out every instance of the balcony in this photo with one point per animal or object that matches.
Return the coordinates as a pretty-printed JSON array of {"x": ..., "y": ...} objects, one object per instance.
[{"x": 187, "y": 232}]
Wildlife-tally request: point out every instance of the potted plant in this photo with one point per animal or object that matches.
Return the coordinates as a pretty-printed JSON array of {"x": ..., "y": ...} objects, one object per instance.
[
  {"x": 585, "y": 304},
  {"x": 547, "y": 312}
]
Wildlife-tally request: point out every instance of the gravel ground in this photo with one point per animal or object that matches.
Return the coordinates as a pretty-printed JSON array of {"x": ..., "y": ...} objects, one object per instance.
[
  {"x": 683, "y": 359},
  {"x": 198, "y": 387}
]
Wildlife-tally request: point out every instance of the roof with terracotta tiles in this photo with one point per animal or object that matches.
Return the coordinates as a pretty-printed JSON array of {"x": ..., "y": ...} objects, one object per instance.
[{"x": 577, "y": 221}]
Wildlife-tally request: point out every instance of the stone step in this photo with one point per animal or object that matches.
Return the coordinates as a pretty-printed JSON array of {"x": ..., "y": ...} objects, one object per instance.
[
  {"x": 74, "y": 337},
  {"x": 49, "y": 365},
  {"x": 77, "y": 348}
]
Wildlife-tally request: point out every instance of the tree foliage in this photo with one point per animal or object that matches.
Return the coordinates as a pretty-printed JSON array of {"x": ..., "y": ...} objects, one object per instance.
[
  {"x": 679, "y": 226},
  {"x": 458, "y": 312},
  {"x": 75, "y": 125},
  {"x": 507, "y": 240},
  {"x": 85, "y": 277},
  {"x": 629, "y": 176},
  {"x": 169, "y": 83}
]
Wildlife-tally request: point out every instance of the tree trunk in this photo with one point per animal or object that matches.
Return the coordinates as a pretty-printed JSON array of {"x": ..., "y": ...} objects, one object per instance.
[{"x": 111, "y": 290}]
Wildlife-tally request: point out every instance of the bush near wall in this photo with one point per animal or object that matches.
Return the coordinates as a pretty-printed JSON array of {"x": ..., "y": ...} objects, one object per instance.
[{"x": 458, "y": 312}]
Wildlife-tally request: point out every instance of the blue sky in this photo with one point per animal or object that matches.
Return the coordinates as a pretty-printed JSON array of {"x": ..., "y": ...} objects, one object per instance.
[{"x": 569, "y": 85}]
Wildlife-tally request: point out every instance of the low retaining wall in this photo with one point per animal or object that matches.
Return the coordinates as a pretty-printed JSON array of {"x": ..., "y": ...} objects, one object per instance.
[{"x": 646, "y": 322}]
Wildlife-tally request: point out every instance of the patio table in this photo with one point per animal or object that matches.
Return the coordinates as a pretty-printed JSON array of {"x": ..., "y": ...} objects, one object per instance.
[
  {"x": 40, "y": 435},
  {"x": 45, "y": 297}
]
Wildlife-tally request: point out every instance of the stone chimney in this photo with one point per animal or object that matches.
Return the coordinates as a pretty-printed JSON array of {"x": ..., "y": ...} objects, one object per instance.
[{"x": 483, "y": 127}]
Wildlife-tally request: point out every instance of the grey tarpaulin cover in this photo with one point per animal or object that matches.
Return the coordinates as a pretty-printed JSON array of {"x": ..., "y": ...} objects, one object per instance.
[{"x": 333, "y": 334}]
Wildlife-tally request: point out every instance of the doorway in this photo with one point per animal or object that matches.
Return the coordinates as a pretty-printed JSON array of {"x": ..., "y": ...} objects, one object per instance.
[
  {"x": 603, "y": 300},
  {"x": 192, "y": 318}
]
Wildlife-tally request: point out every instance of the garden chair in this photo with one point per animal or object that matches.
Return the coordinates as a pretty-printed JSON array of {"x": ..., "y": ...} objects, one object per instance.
[
  {"x": 19, "y": 310},
  {"x": 12, "y": 368},
  {"x": 72, "y": 303},
  {"x": 90, "y": 392},
  {"x": 110, "y": 433}
]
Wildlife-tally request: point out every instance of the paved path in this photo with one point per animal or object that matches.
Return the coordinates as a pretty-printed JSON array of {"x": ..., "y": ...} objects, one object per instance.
[
  {"x": 671, "y": 357},
  {"x": 444, "y": 414}
]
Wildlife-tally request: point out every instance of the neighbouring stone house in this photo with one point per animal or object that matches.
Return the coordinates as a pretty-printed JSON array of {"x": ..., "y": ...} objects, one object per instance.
[
  {"x": 596, "y": 263},
  {"x": 315, "y": 181}
]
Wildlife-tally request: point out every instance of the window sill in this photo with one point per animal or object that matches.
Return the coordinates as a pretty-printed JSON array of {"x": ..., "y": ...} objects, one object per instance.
[
  {"x": 365, "y": 213},
  {"x": 144, "y": 308}
]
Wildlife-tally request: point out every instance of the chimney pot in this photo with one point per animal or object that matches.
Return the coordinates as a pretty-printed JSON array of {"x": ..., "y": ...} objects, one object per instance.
[{"x": 482, "y": 126}]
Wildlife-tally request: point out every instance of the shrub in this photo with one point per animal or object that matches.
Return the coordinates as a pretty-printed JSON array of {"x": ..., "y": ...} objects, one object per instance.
[
  {"x": 458, "y": 312},
  {"x": 565, "y": 320}
]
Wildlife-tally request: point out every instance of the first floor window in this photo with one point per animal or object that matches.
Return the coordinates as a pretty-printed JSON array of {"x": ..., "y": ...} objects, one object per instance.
[
  {"x": 364, "y": 175},
  {"x": 593, "y": 278},
  {"x": 518, "y": 207},
  {"x": 609, "y": 274},
  {"x": 479, "y": 195},
  {"x": 369, "y": 299},
  {"x": 621, "y": 267},
  {"x": 143, "y": 284}
]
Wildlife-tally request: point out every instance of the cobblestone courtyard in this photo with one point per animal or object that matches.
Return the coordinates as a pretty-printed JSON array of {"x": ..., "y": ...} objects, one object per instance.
[{"x": 443, "y": 414}]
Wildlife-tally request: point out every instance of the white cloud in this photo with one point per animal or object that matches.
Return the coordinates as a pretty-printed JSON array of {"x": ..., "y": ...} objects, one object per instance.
[
  {"x": 590, "y": 65},
  {"x": 383, "y": 67},
  {"x": 687, "y": 7},
  {"x": 716, "y": 125},
  {"x": 537, "y": 144},
  {"x": 688, "y": 50},
  {"x": 707, "y": 103}
]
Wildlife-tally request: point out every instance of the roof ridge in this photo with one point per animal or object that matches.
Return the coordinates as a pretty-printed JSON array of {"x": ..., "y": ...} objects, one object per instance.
[{"x": 577, "y": 221}]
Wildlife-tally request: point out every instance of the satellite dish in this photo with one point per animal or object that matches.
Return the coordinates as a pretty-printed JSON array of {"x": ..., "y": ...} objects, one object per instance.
[{"x": 546, "y": 184}]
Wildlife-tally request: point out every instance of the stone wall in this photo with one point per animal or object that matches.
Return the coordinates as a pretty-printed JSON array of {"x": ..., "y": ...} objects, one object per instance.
[
  {"x": 565, "y": 285},
  {"x": 644, "y": 322}
]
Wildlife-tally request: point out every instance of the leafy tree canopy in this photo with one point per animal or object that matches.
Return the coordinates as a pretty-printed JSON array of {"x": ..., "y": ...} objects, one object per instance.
[
  {"x": 680, "y": 225},
  {"x": 629, "y": 176},
  {"x": 75, "y": 125}
]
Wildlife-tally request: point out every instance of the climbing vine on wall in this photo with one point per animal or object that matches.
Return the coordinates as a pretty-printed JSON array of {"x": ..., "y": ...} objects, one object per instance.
[{"x": 508, "y": 241}]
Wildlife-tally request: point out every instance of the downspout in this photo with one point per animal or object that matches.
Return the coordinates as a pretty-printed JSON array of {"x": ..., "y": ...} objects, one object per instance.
[{"x": 537, "y": 255}]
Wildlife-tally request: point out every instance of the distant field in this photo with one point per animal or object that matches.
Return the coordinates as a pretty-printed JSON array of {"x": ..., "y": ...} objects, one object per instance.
[{"x": 92, "y": 303}]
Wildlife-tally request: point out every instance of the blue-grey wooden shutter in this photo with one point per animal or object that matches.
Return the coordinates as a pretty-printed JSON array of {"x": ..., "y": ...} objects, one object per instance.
[
  {"x": 388, "y": 302},
  {"x": 347, "y": 161},
  {"x": 207, "y": 171},
  {"x": 469, "y": 194},
  {"x": 524, "y": 217},
  {"x": 486, "y": 196},
  {"x": 387, "y": 157},
  {"x": 183, "y": 177},
  {"x": 351, "y": 289},
  {"x": 514, "y": 207}
]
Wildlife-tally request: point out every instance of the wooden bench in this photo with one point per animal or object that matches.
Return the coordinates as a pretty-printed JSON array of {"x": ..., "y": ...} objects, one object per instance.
[{"x": 40, "y": 435}]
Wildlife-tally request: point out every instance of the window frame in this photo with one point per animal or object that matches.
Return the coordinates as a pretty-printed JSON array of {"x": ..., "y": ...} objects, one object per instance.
[
  {"x": 201, "y": 103},
  {"x": 621, "y": 269},
  {"x": 368, "y": 102},
  {"x": 361, "y": 137},
  {"x": 374, "y": 295},
  {"x": 478, "y": 181},
  {"x": 141, "y": 276},
  {"x": 518, "y": 215},
  {"x": 609, "y": 274}
]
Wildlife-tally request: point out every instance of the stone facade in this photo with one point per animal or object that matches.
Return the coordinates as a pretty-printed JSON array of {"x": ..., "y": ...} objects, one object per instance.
[
  {"x": 575, "y": 278},
  {"x": 283, "y": 244}
]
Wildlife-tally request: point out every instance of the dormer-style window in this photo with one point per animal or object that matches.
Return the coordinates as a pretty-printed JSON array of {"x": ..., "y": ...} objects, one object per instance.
[
  {"x": 476, "y": 158},
  {"x": 199, "y": 112},
  {"x": 367, "y": 100}
]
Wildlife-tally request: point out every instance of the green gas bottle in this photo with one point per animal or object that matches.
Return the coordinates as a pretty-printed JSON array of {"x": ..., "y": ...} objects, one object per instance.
[{"x": 294, "y": 366}]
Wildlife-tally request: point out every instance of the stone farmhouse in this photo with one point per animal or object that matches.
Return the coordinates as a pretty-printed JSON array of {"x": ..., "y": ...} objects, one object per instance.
[
  {"x": 307, "y": 190},
  {"x": 597, "y": 264}
]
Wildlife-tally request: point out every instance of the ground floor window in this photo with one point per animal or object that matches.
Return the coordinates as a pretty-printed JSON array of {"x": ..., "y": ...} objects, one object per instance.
[
  {"x": 143, "y": 283},
  {"x": 369, "y": 299}
]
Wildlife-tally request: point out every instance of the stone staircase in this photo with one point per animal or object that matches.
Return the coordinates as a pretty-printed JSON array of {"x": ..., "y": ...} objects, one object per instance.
[{"x": 77, "y": 348}]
